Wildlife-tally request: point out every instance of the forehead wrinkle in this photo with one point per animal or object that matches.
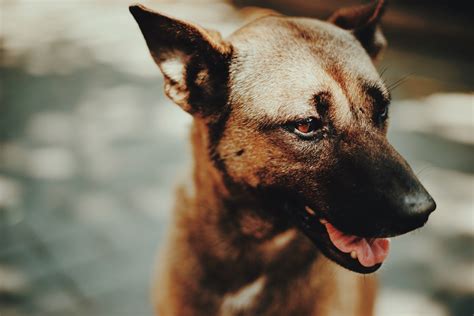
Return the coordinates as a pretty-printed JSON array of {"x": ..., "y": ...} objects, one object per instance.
[
  {"x": 339, "y": 108},
  {"x": 283, "y": 115},
  {"x": 287, "y": 115}
]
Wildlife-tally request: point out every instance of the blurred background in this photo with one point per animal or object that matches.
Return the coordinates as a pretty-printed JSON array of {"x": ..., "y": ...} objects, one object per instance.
[{"x": 90, "y": 151}]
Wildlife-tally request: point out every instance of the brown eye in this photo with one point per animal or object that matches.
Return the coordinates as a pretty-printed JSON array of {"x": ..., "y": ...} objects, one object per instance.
[
  {"x": 307, "y": 128},
  {"x": 303, "y": 127}
]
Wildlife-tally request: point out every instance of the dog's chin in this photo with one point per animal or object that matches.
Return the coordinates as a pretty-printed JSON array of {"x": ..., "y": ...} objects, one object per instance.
[{"x": 358, "y": 254}]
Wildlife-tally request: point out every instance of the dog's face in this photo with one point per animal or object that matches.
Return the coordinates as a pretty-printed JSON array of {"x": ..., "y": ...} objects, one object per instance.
[{"x": 297, "y": 112}]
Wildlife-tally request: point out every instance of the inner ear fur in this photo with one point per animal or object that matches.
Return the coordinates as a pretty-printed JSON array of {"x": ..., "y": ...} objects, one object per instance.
[
  {"x": 363, "y": 22},
  {"x": 194, "y": 61}
]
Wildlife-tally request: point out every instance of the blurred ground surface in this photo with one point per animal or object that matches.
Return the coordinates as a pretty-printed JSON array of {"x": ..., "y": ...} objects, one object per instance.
[{"x": 90, "y": 151}]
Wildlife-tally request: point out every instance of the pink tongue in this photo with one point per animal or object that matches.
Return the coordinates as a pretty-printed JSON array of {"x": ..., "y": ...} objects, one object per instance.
[{"x": 368, "y": 252}]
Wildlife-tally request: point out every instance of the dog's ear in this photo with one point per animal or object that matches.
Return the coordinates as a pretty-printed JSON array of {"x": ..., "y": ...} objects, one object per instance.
[
  {"x": 363, "y": 22},
  {"x": 194, "y": 61}
]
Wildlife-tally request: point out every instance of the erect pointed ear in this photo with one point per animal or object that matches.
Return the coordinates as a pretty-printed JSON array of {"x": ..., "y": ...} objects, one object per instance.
[
  {"x": 363, "y": 22},
  {"x": 194, "y": 61}
]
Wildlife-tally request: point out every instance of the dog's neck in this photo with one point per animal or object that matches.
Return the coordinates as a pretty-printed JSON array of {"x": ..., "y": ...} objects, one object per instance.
[
  {"x": 250, "y": 240},
  {"x": 209, "y": 186},
  {"x": 216, "y": 193}
]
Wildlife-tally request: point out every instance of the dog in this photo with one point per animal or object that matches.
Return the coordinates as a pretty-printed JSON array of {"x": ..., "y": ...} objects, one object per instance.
[{"x": 295, "y": 184}]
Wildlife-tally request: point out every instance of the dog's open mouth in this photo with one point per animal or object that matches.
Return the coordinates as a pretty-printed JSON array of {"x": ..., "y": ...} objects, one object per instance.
[
  {"x": 369, "y": 252},
  {"x": 359, "y": 254}
]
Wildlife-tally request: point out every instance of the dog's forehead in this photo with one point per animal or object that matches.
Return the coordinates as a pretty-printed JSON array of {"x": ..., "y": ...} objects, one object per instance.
[{"x": 280, "y": 63}]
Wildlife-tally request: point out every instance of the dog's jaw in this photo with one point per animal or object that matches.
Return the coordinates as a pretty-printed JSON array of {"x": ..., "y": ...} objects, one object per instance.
[
  {"x": 369, "y": 252},
  {"x": 318, "y": 230}
]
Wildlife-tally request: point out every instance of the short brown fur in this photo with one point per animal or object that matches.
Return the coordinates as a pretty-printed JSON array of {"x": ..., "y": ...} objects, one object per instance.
[{"x": 234, "y": 247}]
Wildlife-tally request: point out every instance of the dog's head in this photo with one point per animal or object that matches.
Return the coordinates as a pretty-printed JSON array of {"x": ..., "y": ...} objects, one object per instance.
[{"x": 297, "y": 113}]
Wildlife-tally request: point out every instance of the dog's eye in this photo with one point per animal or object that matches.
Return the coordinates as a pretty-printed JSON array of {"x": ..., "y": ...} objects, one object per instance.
[
  {"x": 383, "y": 115},
  {"x": 307, "y": 128}
]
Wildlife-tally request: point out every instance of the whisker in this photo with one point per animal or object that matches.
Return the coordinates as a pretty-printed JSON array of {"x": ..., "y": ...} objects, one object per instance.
[
  {"x": 418, "y": 174},
  {"x": 399, "y": 82},
  {"x": 384, "y": 69},
  {"x": 393, "y": 84},
  {"x": 393, "y": 87}
]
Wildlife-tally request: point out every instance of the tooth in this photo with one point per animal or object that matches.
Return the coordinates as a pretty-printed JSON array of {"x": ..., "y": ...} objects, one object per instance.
[
  {"x": 323, "y": 221},
  {"x": 354, "y": 254},
  {"x": 310, "y": 210}
]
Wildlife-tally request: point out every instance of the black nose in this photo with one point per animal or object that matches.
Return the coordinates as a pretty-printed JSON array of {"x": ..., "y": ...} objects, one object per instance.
[{"x": 417, "y": 208}]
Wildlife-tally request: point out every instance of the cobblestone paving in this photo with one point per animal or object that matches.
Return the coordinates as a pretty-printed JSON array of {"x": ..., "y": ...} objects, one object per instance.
[{"x": 90, "y": 151}]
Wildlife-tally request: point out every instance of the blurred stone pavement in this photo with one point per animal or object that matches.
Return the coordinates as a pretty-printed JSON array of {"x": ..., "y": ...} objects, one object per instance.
[{"x": 90, "y": 152}]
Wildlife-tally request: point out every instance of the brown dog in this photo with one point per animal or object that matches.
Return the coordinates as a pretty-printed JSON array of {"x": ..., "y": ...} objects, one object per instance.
[{"x": 292, "y": 166}]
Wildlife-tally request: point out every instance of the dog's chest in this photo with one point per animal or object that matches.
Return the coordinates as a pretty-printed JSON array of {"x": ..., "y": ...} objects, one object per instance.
[{"x": 244, "y": 299}]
